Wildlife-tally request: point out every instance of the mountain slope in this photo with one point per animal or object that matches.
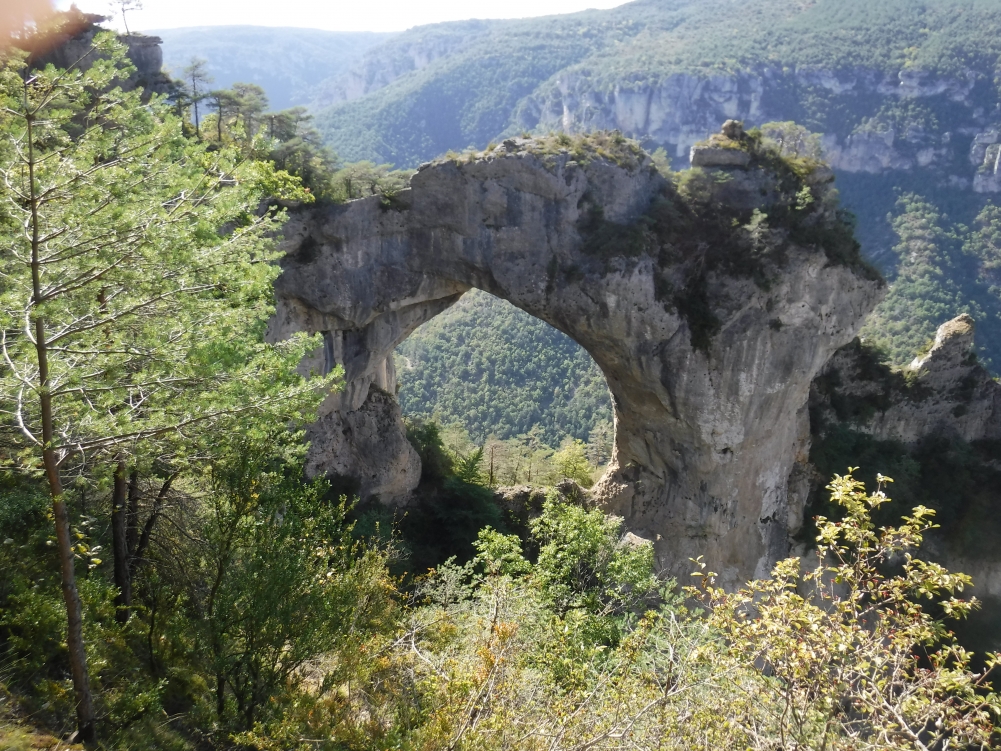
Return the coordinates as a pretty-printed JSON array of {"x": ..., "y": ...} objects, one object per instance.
[
  {"x": 543, "y": 64},
  {"x": 496, "y": 370},
  {"x": 460, "y": 86},
  {"x": 289, "y": 64}
]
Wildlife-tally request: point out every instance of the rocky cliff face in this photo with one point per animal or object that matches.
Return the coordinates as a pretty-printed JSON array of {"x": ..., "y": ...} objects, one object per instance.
[
  {"x": 935, "y": 426},
  {"x": 944, "y": 392},
  {"x": 683, "y": 108},
  {"x": 73, "y": 46},
  {"x": 709, "y": 306},
  {"x": 906, "y": 120}
]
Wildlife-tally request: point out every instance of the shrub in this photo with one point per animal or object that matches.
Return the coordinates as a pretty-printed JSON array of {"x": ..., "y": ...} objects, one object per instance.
[{"x": 858, "y": 663}]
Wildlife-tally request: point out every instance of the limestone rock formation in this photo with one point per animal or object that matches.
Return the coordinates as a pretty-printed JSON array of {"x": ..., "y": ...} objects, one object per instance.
[
  {"x": 945, "y": 392},
  {"x": 365, "y": 445},
  {"x": 679, "y": 109},
  {"x": 938, "y": 421},
  {"x": 72, "y": 46},
  {"x": 709, "y": 306}
]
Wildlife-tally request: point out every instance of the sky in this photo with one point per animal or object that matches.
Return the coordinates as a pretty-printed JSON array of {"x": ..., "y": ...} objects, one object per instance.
[{"x": 333, "y": 15}]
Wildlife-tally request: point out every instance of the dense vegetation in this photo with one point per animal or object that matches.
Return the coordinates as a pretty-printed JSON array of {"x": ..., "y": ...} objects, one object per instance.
[
  {"x": 945, "y": 266},
  {"x": 498, "y": 371}
]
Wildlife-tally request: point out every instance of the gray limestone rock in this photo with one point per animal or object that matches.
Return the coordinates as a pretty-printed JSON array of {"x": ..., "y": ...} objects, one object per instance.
[
  {"x": 709, "y": 371},
  {"x": 682, "y": 108},
  {"x": 367, "y": 445},
  {"x": 946, "y": 392},
  {"x": 717, "y": 156},
  {"x": 946, "y": 400},
  {"x": 73, "y": 46}
]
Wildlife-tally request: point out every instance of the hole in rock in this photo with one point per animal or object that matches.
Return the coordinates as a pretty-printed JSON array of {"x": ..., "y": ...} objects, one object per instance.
[{"x": 493, "y": 376}]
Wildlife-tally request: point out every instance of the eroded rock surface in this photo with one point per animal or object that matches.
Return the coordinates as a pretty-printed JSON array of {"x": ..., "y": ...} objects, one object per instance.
[
  {"x": 73, "y": 47},
  {"x": 679, "y": 109},
  {"x": 946, "y": 392},
  {"x": 935, "y": 427},
  {"x": 709, "y": 307}
]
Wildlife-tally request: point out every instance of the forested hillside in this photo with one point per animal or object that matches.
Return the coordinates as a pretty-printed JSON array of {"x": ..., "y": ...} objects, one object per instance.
[
  {"x": 497, "y": 371},
  {"x": 478, "y": 81},
  {"x": 901, "y": 95}
]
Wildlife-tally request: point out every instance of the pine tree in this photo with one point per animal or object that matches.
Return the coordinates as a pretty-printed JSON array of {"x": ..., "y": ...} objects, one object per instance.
[{"x": 135, "y": 286}]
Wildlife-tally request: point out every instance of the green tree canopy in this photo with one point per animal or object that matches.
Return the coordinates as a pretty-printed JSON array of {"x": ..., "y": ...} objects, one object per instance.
[{"x": 135, "y": 289}]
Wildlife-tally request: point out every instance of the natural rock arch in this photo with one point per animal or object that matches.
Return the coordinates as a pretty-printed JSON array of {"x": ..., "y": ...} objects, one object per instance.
[{"x": 708, "y": 308}]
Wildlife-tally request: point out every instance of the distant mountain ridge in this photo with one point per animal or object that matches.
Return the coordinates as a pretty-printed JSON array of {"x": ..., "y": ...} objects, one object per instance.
[
  {"x": 750, "y": 58},
  {"x": 288, "y": 63},
  {"x": 384, "y": 63}
]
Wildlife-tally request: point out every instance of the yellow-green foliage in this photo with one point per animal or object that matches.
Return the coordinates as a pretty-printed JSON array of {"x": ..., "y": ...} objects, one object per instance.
[
  {"x": 18, "y": 738},
  {"x": 570, "y": 652},
  {"x": 853, "y": 660},
  {"x": 571, "y": 462},
  {"x": 610, "y": 146}
]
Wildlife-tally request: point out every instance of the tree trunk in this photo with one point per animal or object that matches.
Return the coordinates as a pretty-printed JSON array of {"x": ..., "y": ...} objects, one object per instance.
[
  {"x": 119, "y": 542},
  {"x": 86, "y": 730},
  {"x": 132, "y": 518},
  {"x": 138, "y": 551},
  {"x": 220, "y": 696}
]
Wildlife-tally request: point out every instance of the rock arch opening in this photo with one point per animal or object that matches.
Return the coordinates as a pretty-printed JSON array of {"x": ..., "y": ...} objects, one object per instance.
[{"x": 500, "y": 374}]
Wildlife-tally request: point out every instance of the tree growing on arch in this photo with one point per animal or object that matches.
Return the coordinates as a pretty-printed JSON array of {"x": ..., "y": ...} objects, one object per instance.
[{"x": 135, "y": 284}]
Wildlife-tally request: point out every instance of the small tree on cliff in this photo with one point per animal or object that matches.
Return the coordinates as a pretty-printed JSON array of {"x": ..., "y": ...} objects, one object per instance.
[{"x": 130, "y": 319}]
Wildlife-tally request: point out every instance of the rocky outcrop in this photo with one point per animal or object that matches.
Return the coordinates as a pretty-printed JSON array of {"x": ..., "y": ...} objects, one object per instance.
[
  {"x": 366, "y": 445},
  {"x": 73, "y": 45},
  {"x": 683, "y": 108},
  {"x": 945, "y": 392},
  {"x": 985, "y": 155},
  {"x": 935, "y": 426},
  {"x": 708, "y": 318}
]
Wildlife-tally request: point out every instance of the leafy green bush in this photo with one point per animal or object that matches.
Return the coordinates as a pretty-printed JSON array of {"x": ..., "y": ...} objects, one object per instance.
[
  {"x": 857, "y": 663},
  {"x": 33, "y": 651},
  {"x": 573, "y": 652}
]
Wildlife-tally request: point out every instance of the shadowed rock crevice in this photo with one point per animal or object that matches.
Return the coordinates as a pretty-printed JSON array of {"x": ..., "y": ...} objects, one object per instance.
[{"x": 709, "y": 300}]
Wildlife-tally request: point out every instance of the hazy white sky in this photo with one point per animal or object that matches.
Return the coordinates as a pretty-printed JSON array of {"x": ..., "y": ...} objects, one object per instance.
[{"x": 336, "y": 15}]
